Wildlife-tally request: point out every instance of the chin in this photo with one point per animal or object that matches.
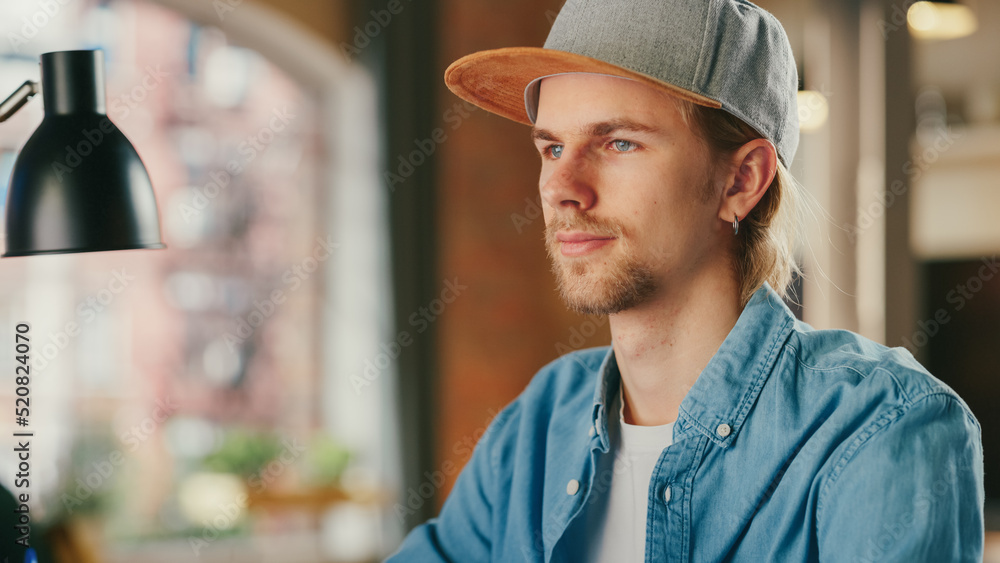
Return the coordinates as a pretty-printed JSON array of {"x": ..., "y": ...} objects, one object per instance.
[{"x": 592, "y": 290}]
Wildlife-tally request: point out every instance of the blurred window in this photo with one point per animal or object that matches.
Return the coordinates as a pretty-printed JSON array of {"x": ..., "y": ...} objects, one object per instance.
[{"x": 188, "y": 399}]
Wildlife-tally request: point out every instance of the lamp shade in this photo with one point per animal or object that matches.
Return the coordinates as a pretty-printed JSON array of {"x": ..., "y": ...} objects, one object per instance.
[{"x": 78, "y": 185}]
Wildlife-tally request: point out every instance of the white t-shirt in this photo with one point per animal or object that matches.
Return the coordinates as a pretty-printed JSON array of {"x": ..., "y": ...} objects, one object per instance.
[{"x": 620, "y": 524}]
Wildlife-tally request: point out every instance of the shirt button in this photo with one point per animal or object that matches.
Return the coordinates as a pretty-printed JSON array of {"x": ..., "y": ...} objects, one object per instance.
[
  {"x": 723, "y": 430},
  {"x": 666, "y": 494},
  {"x": 572, "y": 487}
]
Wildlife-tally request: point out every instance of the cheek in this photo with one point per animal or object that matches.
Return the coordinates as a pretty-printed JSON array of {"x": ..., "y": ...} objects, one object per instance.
[
  {"x": 668, "y": 222},
  {"x": 546, "y": 212},
  {"x": 544, "y": 173}
]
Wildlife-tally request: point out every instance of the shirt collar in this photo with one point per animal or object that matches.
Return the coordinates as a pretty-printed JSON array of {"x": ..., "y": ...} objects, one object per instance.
[
  {"x": 604, "y": 395},
  {"x": 718, "y": 403}
]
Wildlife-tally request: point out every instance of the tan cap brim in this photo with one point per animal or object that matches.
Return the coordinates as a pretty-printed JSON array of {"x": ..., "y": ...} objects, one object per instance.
[{"x": 496, "y": 80}]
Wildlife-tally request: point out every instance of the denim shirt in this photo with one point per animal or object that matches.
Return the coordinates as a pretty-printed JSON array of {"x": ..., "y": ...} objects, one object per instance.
[{"x": 794, "y": 444}]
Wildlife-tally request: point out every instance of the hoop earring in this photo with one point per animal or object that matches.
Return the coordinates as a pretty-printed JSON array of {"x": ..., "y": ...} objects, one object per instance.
[{"x": 736, "y": 225}]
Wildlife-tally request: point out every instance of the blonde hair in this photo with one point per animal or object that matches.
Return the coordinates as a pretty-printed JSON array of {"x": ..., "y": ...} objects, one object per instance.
[{"x": 766, "y": 244}]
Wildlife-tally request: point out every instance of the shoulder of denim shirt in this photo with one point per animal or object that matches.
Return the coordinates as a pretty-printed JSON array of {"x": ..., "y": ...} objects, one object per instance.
[
  {"x": 563, "y": 386},
  {"x": 573, "y": 374},
  {"x": 567, "y": 381},
  {"x": 857, "y": 360}
]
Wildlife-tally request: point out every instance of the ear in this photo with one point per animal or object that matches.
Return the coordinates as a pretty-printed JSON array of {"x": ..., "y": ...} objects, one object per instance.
[{"x": 752, "y": 169}]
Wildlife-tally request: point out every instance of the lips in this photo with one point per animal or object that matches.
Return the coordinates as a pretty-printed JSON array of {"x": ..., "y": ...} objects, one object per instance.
[{"x": 577, "y": 243}]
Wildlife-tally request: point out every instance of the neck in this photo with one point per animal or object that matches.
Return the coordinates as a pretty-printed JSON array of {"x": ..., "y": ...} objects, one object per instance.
[{"x": 663, "y": 345}]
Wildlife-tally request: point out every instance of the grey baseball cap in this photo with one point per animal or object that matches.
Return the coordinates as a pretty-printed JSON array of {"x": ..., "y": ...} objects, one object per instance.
[{"x": 727, "y": 54}]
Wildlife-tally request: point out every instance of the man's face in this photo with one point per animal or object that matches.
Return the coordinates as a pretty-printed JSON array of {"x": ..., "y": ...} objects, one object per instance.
[{"x": 627, "y": 190}]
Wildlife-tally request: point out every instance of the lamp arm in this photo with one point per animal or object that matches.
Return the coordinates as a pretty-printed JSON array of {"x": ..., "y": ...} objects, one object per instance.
[{"x": 20, "y": 97}]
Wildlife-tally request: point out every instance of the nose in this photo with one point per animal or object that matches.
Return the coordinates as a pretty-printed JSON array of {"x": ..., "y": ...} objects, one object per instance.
[{"x": 569, "y": 184}]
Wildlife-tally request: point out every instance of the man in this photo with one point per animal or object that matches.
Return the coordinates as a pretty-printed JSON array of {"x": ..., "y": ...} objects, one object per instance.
[{"x": 716, "y": 427}]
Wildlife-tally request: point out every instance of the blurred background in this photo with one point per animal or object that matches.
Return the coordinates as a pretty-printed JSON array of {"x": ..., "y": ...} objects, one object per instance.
[{"x": 355, "y": 282}]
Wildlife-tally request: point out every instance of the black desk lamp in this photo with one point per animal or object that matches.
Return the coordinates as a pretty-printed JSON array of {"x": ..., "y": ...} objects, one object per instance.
[{"x": 78, "y": 184}]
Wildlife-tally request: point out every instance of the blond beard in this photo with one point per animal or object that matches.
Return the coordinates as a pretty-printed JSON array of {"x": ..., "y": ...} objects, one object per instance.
[{"x": 599, "y": 286}]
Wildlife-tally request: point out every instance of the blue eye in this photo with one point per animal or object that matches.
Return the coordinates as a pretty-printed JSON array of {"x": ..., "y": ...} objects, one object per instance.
[
  {"x": 556, "y": 151},
  {"x": 623, "y": 146}
]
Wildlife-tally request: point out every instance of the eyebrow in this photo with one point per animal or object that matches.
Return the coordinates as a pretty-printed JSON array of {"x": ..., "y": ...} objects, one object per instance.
[{"x": 599, "y": 129}]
